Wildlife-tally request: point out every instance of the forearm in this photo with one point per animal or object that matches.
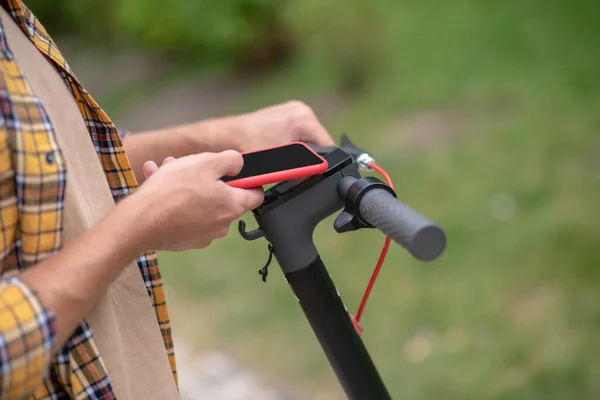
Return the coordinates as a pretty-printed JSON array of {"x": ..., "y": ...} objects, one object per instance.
[
  {"x": 212, "y": 135},
  {"x": 71, "y": 282}
]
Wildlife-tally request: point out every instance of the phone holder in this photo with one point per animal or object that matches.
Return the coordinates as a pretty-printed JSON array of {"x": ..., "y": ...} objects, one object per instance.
[{"x": 292, "y": 210}]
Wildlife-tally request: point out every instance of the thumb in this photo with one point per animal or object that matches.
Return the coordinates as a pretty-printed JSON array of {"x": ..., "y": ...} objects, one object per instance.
[
  {"x": 316, "y": 133},
  {"x": 226, "y": 163}
]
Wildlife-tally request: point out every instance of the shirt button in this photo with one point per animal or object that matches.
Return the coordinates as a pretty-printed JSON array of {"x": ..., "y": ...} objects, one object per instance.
[{"x": 50, "y": 159}]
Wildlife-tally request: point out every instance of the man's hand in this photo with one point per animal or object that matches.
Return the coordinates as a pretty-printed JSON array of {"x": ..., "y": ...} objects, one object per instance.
[
  {"x": 183, "y": 205},
  {"x": 277, "y": 125},
  {"x": 266, "y": 127},
  {"x": 186, "y": 205}
]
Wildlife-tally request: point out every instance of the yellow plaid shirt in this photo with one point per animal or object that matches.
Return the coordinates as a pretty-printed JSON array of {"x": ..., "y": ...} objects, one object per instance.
[{"x": 32, "y": 184}]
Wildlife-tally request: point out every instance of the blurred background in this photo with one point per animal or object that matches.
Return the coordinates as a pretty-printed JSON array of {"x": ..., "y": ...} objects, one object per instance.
[{"x": 486, "y": 113}]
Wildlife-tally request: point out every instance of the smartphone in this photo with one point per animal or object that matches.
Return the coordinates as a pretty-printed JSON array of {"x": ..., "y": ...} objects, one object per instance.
[{"x": 282, "y": 163}]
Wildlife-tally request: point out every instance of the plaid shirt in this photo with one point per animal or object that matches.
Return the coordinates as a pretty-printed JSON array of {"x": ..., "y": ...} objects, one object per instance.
[{"x": 32, "y": 186}]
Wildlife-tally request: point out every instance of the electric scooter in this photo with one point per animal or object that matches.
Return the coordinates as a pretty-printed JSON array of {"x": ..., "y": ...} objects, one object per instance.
[{"x": 287, "y": 219}]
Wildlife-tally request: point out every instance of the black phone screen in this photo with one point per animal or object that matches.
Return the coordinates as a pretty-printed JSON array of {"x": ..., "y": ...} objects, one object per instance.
[{"x": 275, "y": 160}]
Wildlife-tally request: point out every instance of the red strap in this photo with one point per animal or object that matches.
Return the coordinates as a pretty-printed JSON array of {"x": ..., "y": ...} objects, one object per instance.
[{"x": 361, "y": 307}]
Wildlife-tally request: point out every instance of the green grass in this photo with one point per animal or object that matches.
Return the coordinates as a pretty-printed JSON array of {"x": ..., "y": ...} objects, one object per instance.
[{"x": 511, "y": 311}]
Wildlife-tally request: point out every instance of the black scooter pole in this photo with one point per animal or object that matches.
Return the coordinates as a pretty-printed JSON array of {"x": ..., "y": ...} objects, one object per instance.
[{"x": 331, "y": 324}]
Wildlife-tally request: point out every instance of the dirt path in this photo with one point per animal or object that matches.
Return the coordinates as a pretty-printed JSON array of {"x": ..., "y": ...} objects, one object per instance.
[
  {"x": 217, "y": 375},
  {"x": 206, "y": 372}
]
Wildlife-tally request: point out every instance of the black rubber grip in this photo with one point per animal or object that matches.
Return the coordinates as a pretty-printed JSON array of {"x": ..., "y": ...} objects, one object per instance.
[{"x": 424, "y": 239}]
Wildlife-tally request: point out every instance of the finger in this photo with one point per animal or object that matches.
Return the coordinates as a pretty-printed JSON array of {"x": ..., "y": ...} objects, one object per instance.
[
  {"x": 226, "y": 163},
  {"x": 254, "y": 198},
  {"x": 168, "y": 160},
  {"x": 149, "y": 168},
  {"x": 316, "y": 133},
  {"x": 248, "y": 199}
]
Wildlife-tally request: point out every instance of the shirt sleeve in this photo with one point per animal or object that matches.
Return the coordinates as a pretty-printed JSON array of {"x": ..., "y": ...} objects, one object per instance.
[
  {"x": 27, "y": 335},
  {"x": 27, "y": 330}
]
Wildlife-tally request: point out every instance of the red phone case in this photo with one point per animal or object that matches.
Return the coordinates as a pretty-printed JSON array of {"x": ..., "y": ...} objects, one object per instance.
[{"x": 280, "y": 176}]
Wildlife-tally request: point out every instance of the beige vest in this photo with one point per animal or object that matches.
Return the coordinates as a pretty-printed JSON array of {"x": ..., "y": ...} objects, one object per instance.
[{"x": 123, "y": 322}]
